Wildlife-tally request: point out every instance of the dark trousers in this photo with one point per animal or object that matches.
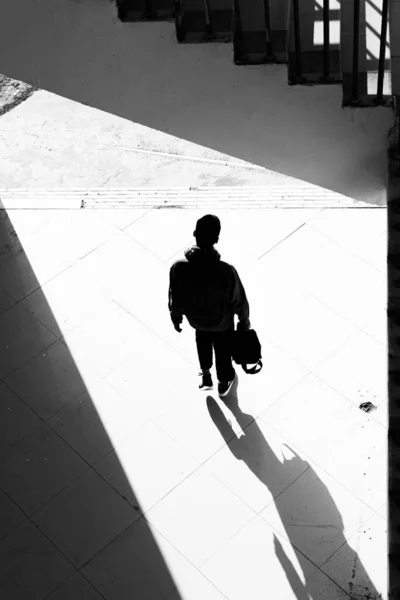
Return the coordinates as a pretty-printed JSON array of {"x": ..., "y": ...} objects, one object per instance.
[{"x": 221, "y": 341}]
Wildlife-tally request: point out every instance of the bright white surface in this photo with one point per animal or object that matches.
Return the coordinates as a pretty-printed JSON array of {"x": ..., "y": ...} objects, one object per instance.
[{"x": 307, "y": 470}]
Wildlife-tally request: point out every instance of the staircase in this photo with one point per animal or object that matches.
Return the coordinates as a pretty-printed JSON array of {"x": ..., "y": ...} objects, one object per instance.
[{"x": 342, "y": 42}]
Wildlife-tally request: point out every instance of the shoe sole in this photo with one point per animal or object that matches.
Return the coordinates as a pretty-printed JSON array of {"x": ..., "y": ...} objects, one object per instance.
[{"x": 228, "y": 390}]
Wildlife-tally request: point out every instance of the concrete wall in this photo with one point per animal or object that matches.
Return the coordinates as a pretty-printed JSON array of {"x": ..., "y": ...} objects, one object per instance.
[{"x": 137, "y": 71}]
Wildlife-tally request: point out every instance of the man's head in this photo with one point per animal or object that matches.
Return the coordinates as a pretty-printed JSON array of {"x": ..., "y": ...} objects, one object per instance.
[{"x": 207, "y": 231}]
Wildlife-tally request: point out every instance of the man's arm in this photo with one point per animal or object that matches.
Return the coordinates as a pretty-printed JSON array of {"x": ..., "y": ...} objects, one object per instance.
[
  {"x": 173, "y": 305},
  {"x": 239, "y": 301}
]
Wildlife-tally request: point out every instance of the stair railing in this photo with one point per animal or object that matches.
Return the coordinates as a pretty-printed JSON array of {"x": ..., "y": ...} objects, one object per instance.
[
  {"x": 326, "y": 13},
  {"x": 382, "y": 51},
  {"x": 209, "y": 25},
  {"x": 149, "y": 9},
  {"x": 297, "y": 39},
  {"x": 356, "y": 47},
  {"x": 268, "y": 29}
]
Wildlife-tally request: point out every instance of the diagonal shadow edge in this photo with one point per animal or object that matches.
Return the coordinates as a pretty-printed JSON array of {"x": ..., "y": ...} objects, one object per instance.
[
  {"x": 187, "y": 95},
  {"x": 158, "y": 580}
]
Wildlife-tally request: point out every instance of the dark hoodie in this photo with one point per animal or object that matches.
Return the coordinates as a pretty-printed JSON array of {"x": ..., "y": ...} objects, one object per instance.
[{"x": 207, "y": 291}]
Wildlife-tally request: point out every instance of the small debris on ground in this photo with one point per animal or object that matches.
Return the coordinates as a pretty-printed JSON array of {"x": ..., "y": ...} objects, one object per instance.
[{"x": 367, "y": 406}]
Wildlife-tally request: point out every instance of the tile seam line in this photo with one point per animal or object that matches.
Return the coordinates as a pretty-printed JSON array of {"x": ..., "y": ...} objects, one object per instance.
[
  {"x": 101, "y": 210},
  {"x": 352, "y": 323},
  {"x": 143, "y": 515},
  {"x": 44, "y": 421},
  {"x": 42, "y": 285},
  {"x": 85, "y": 472},
  {"x": 281, "y": 241},
  {"x": 150, "y": 527},
  {"x": 317, "y": 568},
  {"x": 69, "y": 578},
  {"x": 348, "y": 540},
  {"x": 92, "y": 467},
  {"x": 374, "y": 419},
  {"x": 58, "y": 550},
  {"x": 152, "y": 333},
  {"x": 311, "y": 460},
  {"x": 3, "y": 379},
  {"x": 18, "y": 302},
  {"x": 254, "y": 516},
  {"x": 296, "y": 549},
  {"x": 125, "y": 233},
  {"x": 204, "y": 463},
  {"x": 351, "y": 252},
  {"x": 198, "y": 467}
]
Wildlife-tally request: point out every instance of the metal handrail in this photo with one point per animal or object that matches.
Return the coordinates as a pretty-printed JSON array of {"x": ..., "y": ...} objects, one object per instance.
[
  {"x": 207, "y": 14},
  {"x": 237, "y": 28},
  {"x": 326, "y": 15},
  {"x": 382, "y": 50},
  {"x": 297, "y": 40},
  {"x": 149, "y": 9},
  {"x": 268, "y": 30},
  {"x": 356, "y": 47}
]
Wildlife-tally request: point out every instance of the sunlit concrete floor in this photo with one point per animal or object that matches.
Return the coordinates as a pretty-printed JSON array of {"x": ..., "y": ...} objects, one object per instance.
[{"x": 120, "y": 479}]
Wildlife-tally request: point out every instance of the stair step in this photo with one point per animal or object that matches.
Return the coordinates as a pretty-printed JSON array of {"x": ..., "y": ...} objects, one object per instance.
[{"x": 296, "y": 195}]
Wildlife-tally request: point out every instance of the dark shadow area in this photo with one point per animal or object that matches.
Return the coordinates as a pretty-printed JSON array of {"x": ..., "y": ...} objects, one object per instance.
[
  {"x": 312, "y": 501},
  {"x": 138, "y": 71},
  {"x": 66, "y": 531},
  {"x": 145, "y": 10},
  {"x": 199, "y": 21}
]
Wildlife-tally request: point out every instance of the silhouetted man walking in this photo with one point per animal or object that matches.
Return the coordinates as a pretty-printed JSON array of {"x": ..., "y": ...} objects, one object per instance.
[{"x": 209, "y": 293}]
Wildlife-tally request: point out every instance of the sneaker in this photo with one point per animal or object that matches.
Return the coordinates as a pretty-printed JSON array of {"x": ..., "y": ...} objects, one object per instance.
[
  {"x": 206, "y": 382},
  {"x": 224, "y": 387}
]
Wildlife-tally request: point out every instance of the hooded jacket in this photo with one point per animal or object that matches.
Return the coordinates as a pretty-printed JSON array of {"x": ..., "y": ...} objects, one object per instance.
[{"x": 207, "y": 291}]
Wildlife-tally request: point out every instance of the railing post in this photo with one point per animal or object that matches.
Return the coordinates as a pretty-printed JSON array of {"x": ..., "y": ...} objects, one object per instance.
[
  {"x": 149, "y": 9},
  {"x": 382, "y": 50},
  {"x": 207, "y": 12},
  {"x": 297, "y": 41},
  {"x": 356, "y": 47},
  {"x": 326, "y": 14},
  {"x": 268, "y": 30},
  {"x": 237, "y": 33}
]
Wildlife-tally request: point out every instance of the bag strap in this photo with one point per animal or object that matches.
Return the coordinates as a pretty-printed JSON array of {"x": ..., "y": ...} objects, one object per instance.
[{"x": 253, "y": 370}]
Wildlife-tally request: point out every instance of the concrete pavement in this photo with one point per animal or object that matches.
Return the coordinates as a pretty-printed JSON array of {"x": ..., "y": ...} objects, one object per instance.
[{"x": 120, "y": 479}]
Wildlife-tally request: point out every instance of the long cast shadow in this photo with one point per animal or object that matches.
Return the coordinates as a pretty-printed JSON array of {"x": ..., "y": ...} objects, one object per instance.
[
  {"x": 58, "y": 514},
  {"x": 138, "y": 71},
  {"x": 253, "y": 449}
]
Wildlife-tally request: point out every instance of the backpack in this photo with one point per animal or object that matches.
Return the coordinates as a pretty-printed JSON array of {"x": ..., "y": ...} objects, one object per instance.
[{"x": 246, "y": 349}]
